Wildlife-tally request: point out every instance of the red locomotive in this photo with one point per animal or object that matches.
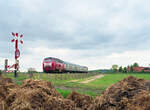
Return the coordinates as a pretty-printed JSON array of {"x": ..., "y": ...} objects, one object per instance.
[{"x": 51, "y": 65}]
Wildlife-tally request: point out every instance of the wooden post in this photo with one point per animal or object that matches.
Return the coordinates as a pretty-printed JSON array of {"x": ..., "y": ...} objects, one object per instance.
[{"x": 6, "y": 65}]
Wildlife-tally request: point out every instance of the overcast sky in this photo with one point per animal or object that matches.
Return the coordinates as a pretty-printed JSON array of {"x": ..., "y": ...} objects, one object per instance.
[{"x": 94, "y": 33}]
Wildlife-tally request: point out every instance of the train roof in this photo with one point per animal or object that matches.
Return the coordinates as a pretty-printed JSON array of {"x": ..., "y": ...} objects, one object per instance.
[{"x": 51, "y": 58}]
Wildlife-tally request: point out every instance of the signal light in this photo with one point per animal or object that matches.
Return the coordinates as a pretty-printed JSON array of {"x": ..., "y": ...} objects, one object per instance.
[
  {"x": 21, "y": 41},
  {"x": 17, "y": 34},
  {"x": 13, "y": 40},
  {"x": 13, "y": 34},
  {"x": 21, "y": 36}
]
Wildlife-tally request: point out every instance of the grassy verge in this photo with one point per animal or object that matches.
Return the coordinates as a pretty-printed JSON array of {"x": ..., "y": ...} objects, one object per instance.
[{"x": 65, "y": 93}]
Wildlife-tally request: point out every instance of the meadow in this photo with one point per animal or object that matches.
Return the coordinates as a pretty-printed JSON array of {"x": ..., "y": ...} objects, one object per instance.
[{"x": 66, "y": 83}]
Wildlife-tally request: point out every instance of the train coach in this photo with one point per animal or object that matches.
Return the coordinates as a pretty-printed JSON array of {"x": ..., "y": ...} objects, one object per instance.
[{"x": 51, "y": 65}]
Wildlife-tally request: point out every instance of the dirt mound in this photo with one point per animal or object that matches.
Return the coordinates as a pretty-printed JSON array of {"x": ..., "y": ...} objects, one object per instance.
[
  {"x": 5, "y": 80},
  {"x": 6, "y": 86},
  {"x": 140, "y": 102},
  {"x": 45, "y": 86},
  {"x": 32, "y": 95},
  {"x": 36, "y": 99},
  {"x": 147, "y": 84},
  {"x": 81, "y": 101},
  {"x": 54, "y": 103},
  {"x": 121, "y": 94}
]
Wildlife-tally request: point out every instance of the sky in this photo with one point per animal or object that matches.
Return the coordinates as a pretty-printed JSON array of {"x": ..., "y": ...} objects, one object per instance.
[{"x": 93, "y": 33}]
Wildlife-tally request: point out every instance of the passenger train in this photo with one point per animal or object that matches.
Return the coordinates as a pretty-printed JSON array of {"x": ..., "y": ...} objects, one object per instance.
[{"x": 52, "y": 65}]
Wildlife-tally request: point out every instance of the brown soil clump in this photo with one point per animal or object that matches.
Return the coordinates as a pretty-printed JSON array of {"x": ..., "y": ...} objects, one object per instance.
[
  {"x": 6, "y": 86},
  {"x": 121, "y": 94},
  {"x": 81, "y": 101},
  {"x": 5, "y": 80},
  {"x": 140, "y": 102},
  {"x": 54, "y": 103},
  {"x": 45, "y": 86},
  {"x": 37, "y": 95},
  {"x": 147, "y": 84},
  {"x": 36, "y": 99}
]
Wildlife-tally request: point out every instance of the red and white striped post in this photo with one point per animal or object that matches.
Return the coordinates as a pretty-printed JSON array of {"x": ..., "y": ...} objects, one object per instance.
[{"x": 17, "y": 52}]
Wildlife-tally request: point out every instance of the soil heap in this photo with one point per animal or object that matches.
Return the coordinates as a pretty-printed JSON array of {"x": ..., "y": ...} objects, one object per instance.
[
  {"x": 81, "y": 101},
  {"x": 36, "y": 99},
  {"x": 6, "y": 86},
  {"x": 129, "y": 94},
  {"x": 44, "y": 86},
  {"x": 37, "y": 95}
]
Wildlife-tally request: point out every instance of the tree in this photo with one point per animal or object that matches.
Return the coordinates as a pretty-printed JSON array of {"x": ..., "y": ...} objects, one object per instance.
[
  {"x": 120, "y": 69},
  {"x": 125, "y": 70},
  {"x": 131, "y": 68},
  {"x": 32, "y": 70},
  {"x": 115, "y": 67},
  {"x": 135, "y": 65}
]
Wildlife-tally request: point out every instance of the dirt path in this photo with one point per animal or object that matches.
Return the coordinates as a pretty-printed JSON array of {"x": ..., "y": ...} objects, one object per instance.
[
  {"x": 92, "y": 78},
  {"x": 87, "y": 80},
  {"x": 74, "y": 80}
]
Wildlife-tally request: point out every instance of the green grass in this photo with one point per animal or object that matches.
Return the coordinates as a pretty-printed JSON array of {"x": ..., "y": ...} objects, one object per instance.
[
  {"x": 110, "y": 79},
  {"x": 64, "y": 93},
  {"x": 94, "y": 88}
]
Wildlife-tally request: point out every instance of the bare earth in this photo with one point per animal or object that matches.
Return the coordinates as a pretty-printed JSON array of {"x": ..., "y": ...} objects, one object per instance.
[
  {"x": 73, "y": 80},
  {"x": 89, "y": 79},
  {"x": 92, "y": 78}
]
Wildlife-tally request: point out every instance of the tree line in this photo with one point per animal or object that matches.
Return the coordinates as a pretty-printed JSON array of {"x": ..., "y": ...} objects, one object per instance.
[{"x": 116, "y": 68}]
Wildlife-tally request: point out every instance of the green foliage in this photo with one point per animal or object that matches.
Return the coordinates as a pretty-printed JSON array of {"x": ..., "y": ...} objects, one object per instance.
[
  {"x": 120, "y": 69},
  {"x": 131, "y": 68},
  {"x": 125, "y": 70},
  {"x": 135, "y": 65},
  {"x": 31, "y": 70},
  {"x": 115, "y": 67}
]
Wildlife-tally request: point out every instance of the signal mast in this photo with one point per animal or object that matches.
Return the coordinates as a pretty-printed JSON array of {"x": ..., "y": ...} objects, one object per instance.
[{"x": 15, "y": 40}]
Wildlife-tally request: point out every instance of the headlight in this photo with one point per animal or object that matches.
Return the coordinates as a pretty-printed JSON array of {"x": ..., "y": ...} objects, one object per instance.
[{"x": 47, "y": 64}]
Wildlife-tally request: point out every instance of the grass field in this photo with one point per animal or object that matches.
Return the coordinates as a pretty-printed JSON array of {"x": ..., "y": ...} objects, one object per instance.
[{"x": 94, "y": 88}]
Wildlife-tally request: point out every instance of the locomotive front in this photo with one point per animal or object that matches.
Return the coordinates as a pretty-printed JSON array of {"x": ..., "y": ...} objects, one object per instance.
[{"x": 48, "y": 65}]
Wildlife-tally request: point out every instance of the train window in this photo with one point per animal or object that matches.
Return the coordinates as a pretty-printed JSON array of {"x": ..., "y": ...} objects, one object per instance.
[
  {"x": 58, "y": 60},
  {"x": 47, "y": 60}
]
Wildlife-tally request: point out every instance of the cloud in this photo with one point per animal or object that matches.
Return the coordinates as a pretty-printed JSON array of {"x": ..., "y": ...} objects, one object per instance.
[{"x": 76, "y": 31}]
